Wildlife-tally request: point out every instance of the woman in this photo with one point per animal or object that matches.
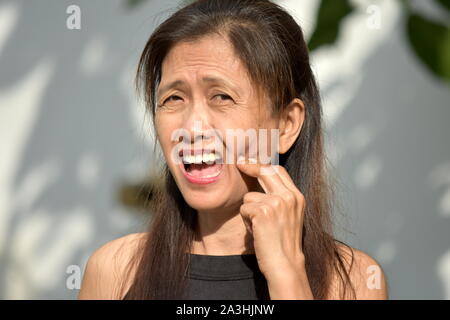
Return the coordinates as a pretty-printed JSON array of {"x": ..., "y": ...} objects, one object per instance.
[{"x": 236, "y": 65}]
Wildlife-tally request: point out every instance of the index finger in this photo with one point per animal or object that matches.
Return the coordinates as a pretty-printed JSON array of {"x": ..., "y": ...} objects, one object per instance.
[{"x": 265, "y": 173}]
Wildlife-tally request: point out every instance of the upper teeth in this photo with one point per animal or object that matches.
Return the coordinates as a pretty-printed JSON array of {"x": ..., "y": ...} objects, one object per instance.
[{"x": 208, "y": 158}]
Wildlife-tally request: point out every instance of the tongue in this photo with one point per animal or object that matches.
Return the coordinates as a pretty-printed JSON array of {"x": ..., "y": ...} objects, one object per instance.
[{"x": 201, "y": 170}]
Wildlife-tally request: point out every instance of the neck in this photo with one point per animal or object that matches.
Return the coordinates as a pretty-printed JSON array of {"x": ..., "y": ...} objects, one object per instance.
[{"x": 222, "y": 232}]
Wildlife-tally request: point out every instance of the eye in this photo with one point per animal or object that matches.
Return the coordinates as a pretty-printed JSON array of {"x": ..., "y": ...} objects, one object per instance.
[
  {"x": 168, "y": 99},
  {"x": 224, "y": 96}
]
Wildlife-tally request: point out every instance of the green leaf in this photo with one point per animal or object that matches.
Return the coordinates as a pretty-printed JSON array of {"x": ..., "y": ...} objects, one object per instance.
[
  {"x": 431, "y": 43},
  {"x": 444, "y": 3},
  {"x": 329, "y": 18}
]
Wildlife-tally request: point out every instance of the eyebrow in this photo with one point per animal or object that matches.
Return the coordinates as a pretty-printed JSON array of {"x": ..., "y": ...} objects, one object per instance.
[{"x": 206, "y": 79}]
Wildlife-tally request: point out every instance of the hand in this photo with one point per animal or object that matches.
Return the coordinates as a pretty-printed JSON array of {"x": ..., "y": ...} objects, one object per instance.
[{"x": 275, "y": 219}]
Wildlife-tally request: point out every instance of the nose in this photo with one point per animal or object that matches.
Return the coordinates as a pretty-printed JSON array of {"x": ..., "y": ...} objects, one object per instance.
[
  {"x": 199, "y": 133},
  {"x": 198, "y": 125}
]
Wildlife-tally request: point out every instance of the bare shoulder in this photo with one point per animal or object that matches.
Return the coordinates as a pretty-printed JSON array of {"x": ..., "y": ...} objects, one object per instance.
[
  {"x": 365, "y": 273},
  {"x": 105, "y": 272}
]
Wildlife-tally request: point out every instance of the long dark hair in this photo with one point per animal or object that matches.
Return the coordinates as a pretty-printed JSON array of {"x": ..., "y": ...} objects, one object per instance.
[{"x": 271, "y": 45}]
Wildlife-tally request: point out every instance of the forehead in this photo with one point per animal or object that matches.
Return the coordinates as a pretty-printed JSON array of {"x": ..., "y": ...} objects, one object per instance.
[
  {"x": 208, "y": 56},
  {"x": 212, "y": 49}
]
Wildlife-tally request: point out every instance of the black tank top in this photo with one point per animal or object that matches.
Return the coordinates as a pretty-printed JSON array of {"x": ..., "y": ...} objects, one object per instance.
[{"x": 232, "y": 277}]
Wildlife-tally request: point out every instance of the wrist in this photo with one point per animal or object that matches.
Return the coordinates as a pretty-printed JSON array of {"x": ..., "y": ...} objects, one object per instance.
[
  {"x": 289, "y": 281},
  {"x": 285, "y": 269}
]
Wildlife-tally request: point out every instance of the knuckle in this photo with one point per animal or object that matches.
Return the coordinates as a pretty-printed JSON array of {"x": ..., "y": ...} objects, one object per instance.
[
  {"x": 277, "y": 201},
  {"x": 302, "y": 200},
  {"x": 251, "y": 196},
  {"x": 265, "y": 209},
  {"x": 289, "y": 197},
  {"x": 244, "y": 209},
  {"x": 300, "y": 196}
]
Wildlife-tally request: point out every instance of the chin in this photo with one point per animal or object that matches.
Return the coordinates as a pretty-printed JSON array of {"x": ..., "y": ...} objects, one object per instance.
[{"x": 201, "y": 200}]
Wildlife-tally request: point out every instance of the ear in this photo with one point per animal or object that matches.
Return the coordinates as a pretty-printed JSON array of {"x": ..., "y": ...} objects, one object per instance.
[{"x": 291, "y": 122}]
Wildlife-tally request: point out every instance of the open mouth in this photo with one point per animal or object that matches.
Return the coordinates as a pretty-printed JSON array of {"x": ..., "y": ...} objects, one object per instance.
[
  {"x": 201, "y": 164},
  {"x": 202, "y": 170}
]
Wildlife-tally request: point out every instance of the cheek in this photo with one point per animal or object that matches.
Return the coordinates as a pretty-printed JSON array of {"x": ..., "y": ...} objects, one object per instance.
[{"x": 163, "y": 131}]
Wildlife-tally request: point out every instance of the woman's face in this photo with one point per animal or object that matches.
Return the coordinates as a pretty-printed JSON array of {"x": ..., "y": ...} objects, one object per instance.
[{"x": 214, "y": 95}]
